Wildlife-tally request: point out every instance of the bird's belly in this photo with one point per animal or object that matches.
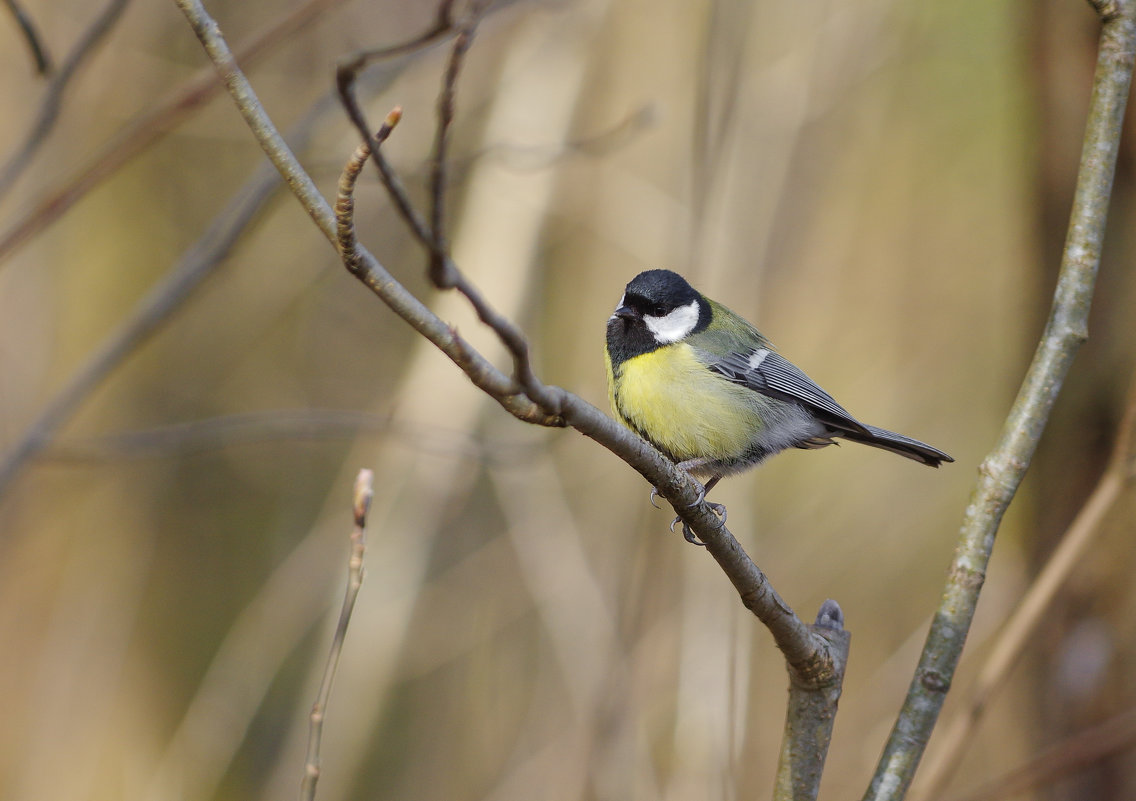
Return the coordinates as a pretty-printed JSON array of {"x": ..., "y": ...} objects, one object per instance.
[{"x": 685, "y": 410}]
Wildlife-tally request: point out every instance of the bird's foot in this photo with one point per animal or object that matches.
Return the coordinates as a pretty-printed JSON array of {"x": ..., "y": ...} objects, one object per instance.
[{"x": 687, "y": 533}]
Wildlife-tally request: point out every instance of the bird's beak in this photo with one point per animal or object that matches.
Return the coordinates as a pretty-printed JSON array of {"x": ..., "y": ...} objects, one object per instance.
[{"x": 626, "y": 312}]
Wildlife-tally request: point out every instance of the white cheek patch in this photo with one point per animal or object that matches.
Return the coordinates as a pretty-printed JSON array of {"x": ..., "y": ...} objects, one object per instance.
[{"x": 674, "y": 326}]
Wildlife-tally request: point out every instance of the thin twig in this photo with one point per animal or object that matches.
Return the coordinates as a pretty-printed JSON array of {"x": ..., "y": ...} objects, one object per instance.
[
  {"x": 31, "y": 36},
  {"x": 1002, "y": 470},
  {"x": 548, "y": 398},
  {"x": 443, "y": 26},
  {"x": 364, "y": 492},
  {"x": 53, "y": 99},
  {"x": 1030, "y": 611},
  {"x": 439, "y": 276},
  {"x": 364, "y": 266}
]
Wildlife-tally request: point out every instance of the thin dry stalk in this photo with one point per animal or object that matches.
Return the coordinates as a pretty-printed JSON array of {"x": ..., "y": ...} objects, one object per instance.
[{"x": 364, "y": 493}]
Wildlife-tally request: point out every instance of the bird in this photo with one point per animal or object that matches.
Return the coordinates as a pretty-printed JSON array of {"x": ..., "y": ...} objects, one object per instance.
[{"x": 710, "y": 392}]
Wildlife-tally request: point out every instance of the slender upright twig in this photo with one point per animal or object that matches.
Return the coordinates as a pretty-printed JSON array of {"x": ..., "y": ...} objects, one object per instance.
[
  {"x": 1030, "y": 611},
  {"x": 364, "y": 492},
  {"x": 1002, "y": 470},
  {"x": 53, "y": 99}
]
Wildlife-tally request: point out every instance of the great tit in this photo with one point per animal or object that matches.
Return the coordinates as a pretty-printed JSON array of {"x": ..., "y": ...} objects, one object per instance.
[{"x": 708, "y": 390}]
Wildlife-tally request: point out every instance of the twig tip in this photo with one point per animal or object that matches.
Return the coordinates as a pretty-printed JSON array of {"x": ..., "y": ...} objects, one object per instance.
[
  {"x": 830, "y": 616},
  {"x": 364, "y": 492}
]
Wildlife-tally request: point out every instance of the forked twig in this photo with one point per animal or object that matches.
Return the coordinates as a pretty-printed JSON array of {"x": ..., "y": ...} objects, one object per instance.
[
  {"x": 53, "y": 99},
  {"x": 809, "y": 656}
]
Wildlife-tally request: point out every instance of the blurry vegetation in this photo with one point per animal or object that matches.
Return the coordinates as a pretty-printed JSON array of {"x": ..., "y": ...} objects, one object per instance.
[{"x": 883, "y": 186}]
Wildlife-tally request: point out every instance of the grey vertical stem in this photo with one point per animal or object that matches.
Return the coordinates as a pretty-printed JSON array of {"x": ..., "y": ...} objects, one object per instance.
[
  {"x": 1001, "y": 472},
  {"x": 811, "y": 713}
]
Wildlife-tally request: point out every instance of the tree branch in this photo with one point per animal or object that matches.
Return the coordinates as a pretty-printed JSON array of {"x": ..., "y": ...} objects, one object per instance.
[
  {"x": 809, "y": 656},
  {"x": 1002, "y": 470},
  {"x": 1030, "y": 611}
]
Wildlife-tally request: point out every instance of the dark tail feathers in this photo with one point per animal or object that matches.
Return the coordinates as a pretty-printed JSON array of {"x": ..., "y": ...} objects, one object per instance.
[{"x": 897, "y": 443}]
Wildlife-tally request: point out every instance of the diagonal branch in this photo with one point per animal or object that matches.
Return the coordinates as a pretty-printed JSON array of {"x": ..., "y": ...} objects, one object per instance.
[
  {"x": 1002, "y": 470},
  {"x": 1118, "y": 476},
  {"x": 809, "y": 656}
]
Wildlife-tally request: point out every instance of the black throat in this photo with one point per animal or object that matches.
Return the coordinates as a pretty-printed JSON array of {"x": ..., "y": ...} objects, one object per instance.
[{"x": 628, "y": 337}]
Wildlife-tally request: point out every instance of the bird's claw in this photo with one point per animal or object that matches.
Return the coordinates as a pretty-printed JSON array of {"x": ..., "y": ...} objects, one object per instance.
[
  {"x": 687, "y": 533},
  {"x": 655, "y": 494}
]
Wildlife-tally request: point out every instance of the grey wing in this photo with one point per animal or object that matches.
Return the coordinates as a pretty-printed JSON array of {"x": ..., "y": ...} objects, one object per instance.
[{"x": 767, "y": 372}]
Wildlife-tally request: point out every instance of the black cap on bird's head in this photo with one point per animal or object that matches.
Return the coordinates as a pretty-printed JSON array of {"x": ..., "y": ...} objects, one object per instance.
[
  {"x": 657, "y": 293},
  {"x": 658, "y": 308}
]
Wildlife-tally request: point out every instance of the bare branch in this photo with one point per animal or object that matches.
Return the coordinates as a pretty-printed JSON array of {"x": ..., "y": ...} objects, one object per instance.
[
  {"x": 1002, "y": 471},
  {"x": 1030, "y": 611},
  {"x": 440, "y": 276},
  {"x": 443, "y": 26},
  {"x": 53, "y": 99},
  {"x": 808, "y": 655},
  {"x": 364, "y": 492}
]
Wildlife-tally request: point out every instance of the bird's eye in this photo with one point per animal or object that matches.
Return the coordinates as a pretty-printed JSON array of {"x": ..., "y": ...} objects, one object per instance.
[{"x": 658, "y": 311}]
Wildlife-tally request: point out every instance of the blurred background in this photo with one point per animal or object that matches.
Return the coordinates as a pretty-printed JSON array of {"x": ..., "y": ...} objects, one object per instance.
[{"x": 189, "y": 381}]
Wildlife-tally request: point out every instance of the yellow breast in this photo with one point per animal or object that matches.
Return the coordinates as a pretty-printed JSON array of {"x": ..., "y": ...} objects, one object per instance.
[{"x": 672, "y": 399}]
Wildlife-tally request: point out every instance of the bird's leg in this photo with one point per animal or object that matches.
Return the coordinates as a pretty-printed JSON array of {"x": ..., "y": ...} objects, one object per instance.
[{"x": 716, "y": 508}]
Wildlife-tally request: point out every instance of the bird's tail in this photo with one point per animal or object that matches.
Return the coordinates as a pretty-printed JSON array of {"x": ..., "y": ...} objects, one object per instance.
[{"x": 897, "y": 443}]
